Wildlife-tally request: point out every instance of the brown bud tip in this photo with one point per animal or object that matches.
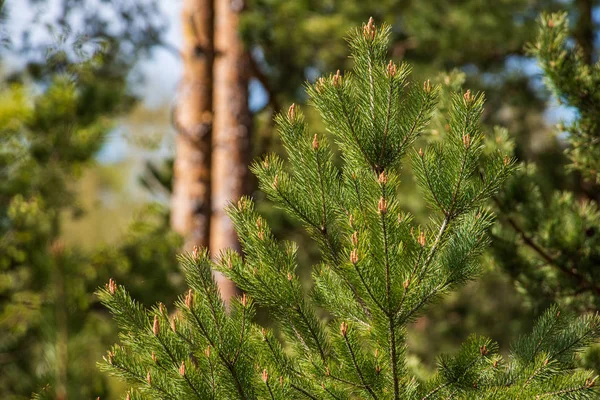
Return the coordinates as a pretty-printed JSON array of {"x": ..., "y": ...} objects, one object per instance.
[
  {"x": 483, "y": 350},
  {"x": 320, "y": 85},
  {"x": 467, "y": 96},
  {"x": 546, "y": 361},
  {"x": 161, "y": 308},
  {"x": 265, "y": 164},
  {"x": 421, "y": 239},
  {"x": 207, "y": 352},
  {"x": 292, "y": 112},
  {"x": 354, "y": 256},
  {"x": 343, "y": 329},
  {"x": 475, "y": 385},
  {"x": 128, "y": 397},
  {"x": 337, "y": 79},
  {"x": 369, "y": 29},
  {"x": 290, "y": 276},
  {"x": 265, "y": 376},
  {"x": 281, "y": 380},
  {"x": 148, "y": 378},
  {"x": 196, "y": 253},
  {"x": 590, "y": 382},
  {"x": 392, "y": 69},
  {"x": 189, "y": 299},
  {"x": 421, "y": 152},
  {"x": 110, "y": 357},
  {"x": 327, "y": 371},
  {"x": 153, "y": 357},
  {"x": 382, "y": 178},
  {"x": 506, "y": 160},
  {"x": 377, "y": 369},
  {"x": 156, "y": 326},
  {"x": 263, "y": 331},
  {"x": 466, "y": 140},
  {"x": 406, "y": 284},
  {"x": 376, "y": 353},
  {"x": 112, "y": 286},
  {"x": 182, "y": 369},
  {"x": 558, "y": 314},
  {"x": 550, "y": 23},
  {"x": 495, "y": 364},
  {"x": 315, "y": 142},
  {"x": 382, "y": 205},
  {"x": 244, "y": 300},
  {"x": 427, "y": 86},
  {"x": 174, "y": 324},
  {"x": 261, "y": 235},
  {"x": 354, "y": 238},
  {"x": 351, "y": 220}
]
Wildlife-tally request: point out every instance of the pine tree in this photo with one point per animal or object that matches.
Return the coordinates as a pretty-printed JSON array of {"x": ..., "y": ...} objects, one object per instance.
[
  {"x": 549, "y": 240},
  {"x": 379, "y": 270}
]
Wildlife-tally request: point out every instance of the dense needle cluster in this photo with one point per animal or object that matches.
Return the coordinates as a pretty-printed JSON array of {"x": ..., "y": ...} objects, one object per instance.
[{"x": 345, "y": 338}]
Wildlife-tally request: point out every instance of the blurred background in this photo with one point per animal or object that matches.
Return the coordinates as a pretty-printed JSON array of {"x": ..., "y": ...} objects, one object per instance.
[{"x": 126, "y": 126}]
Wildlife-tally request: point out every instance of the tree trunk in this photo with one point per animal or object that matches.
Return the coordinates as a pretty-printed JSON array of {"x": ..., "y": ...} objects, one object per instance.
[
  {"x": 231, "y": 139},
  {"x": 190, "y": 202}
]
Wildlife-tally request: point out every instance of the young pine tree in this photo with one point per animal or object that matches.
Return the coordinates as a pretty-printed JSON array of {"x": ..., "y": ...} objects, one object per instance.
[{"x": 345, "y": 338}]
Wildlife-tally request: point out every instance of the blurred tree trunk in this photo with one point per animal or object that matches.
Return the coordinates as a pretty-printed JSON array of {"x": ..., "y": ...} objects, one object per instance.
[
  {"x": 584, "y": 30},
  {"x": 231, "y": 139},
  {"x": 190, "y": 202}
]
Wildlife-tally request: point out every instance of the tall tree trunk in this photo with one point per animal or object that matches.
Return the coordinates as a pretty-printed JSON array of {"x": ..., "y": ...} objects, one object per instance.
[
  {"x": 231, "y": 139},
  {"x": 190, "y": 202},
  {"x": 584, "y": 30}
]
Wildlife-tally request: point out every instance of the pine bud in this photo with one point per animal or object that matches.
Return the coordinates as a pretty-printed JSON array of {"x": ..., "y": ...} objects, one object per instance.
[
  {"x": 369, "y": 29},
  {"x": 351, "y": 220},
  {"x": 506, "y": 160},
  {"x": 320, "y": 85},
  {"x": 263, "y": 331},
  {"x": 281, "y": 381},
  {"x": 337, "y": 79},
  {"x": 421, "y": 152},
  {"x": 589, "y": 383},
  {"x": 182, "y": 369},
  {"x": 265, "y": 376},
  {"x": 189, "y": 298},
  {"x": 207, "y": 352},
  {"x": 467, "y": 96},
  {"x": 174, "y": 324},
  {"x": 327, "y": 371},
  {"x": 377, "y": 369},
  {"x": 289, "y": 276},
  {"x": 406, "y": 284},
  {"x": 427, "y": 86},
  {"x": 382, "y": 178},
  {"x": 382, "y": 205},
  {"x": 376, "y": 353},
  {"x": 343, "y": 329},
  {"x": 315, "y": 142},
  {"x": 355, "y": 238},
  {"x": 196, "y": 253},
  {"x": 391, "y": 69},
  {"x": 292, "y": 112},
  {"x": 110, "y": 357},
  {"x": 495, "y": 364},
  {"x": 161, "y": 308},
  {"x": 354, "y": 256},
  {"x": 483, "y": 350},
  {"x": 276, "y": 181},
  {"x": 265, "y": 164},
  {"x": 112, "y": 286},
  {"x": 153, "y": 357},
  {"x": 156, "y": 326},
  {"x": 261, "y": 235},
  {"x": 466, "y": 140},
  {"x": 421, "y": 239},
  {"x": 149, "y": 378},
  {"x": 546, "y": 361},
  {"x": 244, "y": 300},
  {"x": 550, "y": 23}
]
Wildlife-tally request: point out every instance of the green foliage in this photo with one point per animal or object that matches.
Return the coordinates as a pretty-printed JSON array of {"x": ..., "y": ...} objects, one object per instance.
[
  {"x": 575, "y": 83},
  {"x": 549, "y": 238},
  {"x": 379, "y": 270}
]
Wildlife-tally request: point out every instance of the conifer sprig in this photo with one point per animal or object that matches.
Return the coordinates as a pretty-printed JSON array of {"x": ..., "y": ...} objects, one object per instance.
[{"x": 379, "y": 267}]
